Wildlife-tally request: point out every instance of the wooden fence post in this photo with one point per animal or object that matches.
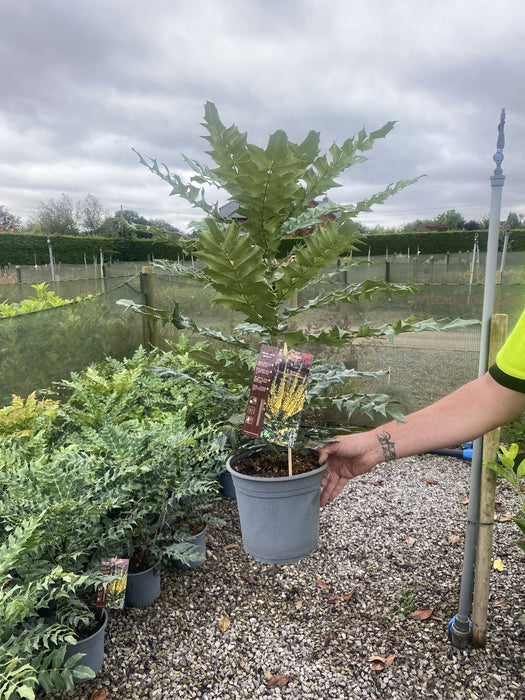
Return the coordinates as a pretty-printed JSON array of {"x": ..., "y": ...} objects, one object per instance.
[
  {"x": 147, "y": 287},
  {"x": 498, "y": 333}
]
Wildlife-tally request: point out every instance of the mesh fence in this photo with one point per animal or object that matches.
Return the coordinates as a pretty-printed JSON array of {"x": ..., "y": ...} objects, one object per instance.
[{"x": 40, "y": 348}]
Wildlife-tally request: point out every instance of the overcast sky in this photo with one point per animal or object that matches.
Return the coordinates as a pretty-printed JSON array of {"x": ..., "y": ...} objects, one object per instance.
[{"x": 84, "y": 81}]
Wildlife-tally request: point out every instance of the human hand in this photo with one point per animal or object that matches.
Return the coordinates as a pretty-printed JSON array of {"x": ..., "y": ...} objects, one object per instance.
[{"x": 350, "y": 456}]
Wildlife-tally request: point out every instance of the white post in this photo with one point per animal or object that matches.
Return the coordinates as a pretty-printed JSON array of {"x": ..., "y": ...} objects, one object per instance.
[
  {"x": 460, "y": 625},
  {"x": 51, "y": 261},
  {"x": 504, "y": 253}
]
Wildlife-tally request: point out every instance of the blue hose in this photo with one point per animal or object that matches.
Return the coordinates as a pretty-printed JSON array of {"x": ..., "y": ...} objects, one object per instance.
[{"x": 464, "y": 453}]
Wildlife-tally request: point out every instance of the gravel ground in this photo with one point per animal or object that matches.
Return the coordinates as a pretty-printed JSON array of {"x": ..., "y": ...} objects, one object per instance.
[{"x": 236, "y": 628}]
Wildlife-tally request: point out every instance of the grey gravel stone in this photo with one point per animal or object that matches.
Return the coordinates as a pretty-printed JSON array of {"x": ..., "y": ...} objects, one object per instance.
[{"x": 284, "y": 623}]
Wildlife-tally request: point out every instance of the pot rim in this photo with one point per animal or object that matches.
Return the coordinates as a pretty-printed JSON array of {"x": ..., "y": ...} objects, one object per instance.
[
  {"x": 274, "y": 479},
  {"x": 94, "y": 634},
  {"x": 145, "y": 571}
]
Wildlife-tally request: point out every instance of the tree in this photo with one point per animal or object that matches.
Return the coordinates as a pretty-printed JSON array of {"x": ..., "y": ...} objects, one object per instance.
[
  {"x": 8, "y": 222},
  {"x": 58, "y": 216},
  {"x": 452, "y": 219},
  {"x": 513, "y": 220},
  {"x": 91, "y": 215},
  {"x": 131, "y": 216},
  {"x": 473, "y": 225}
]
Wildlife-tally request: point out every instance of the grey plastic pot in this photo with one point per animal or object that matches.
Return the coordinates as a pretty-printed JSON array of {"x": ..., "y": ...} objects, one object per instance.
[
  {"x": 92, "y": 647},
  {"x": 143, "y": 588},
  {"x": 279, "y": 516},
  {"x": 227, "y": 486},
  {"x": 199, "y": 541}
]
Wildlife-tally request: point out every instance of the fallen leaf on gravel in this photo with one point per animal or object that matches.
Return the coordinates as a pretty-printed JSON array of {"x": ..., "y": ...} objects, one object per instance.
[
  {"x": 322, "y": 584},
  {"x": 230, "y": 546},
  {"x": 224, "y": 623},
  {"x": 505, "y": 517},
  {"x": 454, "y": 539},
  {"x": 500, "y": 602},
  {"x": 430, "y": 481},
  {"x": 279, "y": 681},
  {"x": 410, "y": 541},
  {"x": 379, "y": 663},
  {"x": 99, "y": 694},
  {"x": 498, "y": 565},
  {"x": 422, "y": 614},
  {"x": 299, "y": 605},
  {"x": 249, "y": 578},
  {"x": 377, "y": 483},
  {"x": 343, "y": 598},
  {"x": 464, "y": 502}
]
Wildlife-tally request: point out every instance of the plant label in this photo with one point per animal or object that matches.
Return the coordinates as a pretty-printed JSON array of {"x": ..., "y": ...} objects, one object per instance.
[
  {"x": 260, "y": 389},
  {"x": 277, "y": 395},
  {"x": 112, "y": 594}
]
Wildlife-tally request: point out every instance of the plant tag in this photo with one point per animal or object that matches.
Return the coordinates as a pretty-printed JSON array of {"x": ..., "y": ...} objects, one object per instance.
[
  {"x": 262, "y": 379},
  {"x": 112, "y": 594},
  {"x": 277, "y": 395}
]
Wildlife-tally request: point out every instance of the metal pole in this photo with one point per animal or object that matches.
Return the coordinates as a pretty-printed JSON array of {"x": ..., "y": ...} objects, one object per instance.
[
  {"x": 504, "y": 253},
  {"x": 51, "y": 262},
  {"x": 459, "y": 627},
  {"x": 472, "y": 266}
]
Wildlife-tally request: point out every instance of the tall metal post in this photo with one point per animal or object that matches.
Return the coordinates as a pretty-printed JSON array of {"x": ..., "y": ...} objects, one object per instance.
[
  {"x": 460, "y": 625},
  {"x": 504, "y": 253},
  {"x": 51, "y": 261}
]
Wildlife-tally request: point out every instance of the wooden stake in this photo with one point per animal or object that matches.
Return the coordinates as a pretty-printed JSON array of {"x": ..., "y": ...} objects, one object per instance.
[
  {"x": 290, "y": 468},
  {"x": 498, "y": 333}
]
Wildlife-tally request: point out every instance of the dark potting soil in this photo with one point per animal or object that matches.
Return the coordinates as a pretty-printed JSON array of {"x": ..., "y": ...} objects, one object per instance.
[
  {"x": 139, "y": 561},
  {"x": 273, "y": 464},
  {"x": 94, "y": 627}
]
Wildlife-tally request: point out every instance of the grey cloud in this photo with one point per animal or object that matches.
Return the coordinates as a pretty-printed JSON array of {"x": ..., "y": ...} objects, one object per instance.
[{"x": 86, "y": 82}]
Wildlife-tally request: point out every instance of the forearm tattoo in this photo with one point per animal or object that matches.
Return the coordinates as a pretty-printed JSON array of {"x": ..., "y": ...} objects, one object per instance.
[{"x": 387, "y": 445}]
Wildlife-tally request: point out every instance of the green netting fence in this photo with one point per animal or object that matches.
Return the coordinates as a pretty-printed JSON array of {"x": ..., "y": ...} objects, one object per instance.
[{"x": 40, "y": 348}]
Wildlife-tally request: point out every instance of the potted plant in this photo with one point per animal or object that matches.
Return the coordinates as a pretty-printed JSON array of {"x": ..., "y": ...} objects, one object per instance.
[
  {"x": 43, "y": 619},
  {"x": 150, "y": 468},
  {"x": 152, "y": 451},
  {"x": 270, "y": 254}
]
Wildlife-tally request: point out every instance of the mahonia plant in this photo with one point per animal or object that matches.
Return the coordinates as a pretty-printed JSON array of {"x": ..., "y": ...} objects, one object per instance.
[{"x": 276, "y": 242}]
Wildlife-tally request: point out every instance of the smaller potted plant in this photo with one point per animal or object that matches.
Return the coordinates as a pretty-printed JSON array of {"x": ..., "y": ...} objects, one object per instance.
[{"x": 48, "y": 625}]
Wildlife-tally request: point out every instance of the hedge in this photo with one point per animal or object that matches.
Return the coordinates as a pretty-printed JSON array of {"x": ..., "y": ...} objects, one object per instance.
[
  {"x": 28, "y": 248},
  {"x": 434, "y": 242},
  {"x": 31, "y": 249}
]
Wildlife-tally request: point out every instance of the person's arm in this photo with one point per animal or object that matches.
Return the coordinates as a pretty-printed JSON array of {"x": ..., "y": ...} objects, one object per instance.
[{"x": 467, "y": 413}]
